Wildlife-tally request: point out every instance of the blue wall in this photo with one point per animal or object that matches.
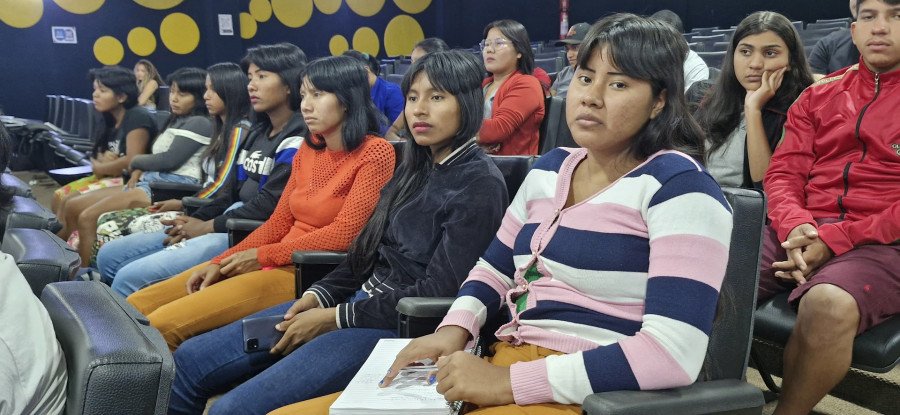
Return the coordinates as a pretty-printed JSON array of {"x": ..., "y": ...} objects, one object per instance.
[{"x": 32, "y": 66}]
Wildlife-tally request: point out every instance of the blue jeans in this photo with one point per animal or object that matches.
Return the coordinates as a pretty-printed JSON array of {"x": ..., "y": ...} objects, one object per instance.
[
  {"x": 211, "y": 363},
  {"x": 141, "y": 259},
  {"x": 155, "y": 176}
]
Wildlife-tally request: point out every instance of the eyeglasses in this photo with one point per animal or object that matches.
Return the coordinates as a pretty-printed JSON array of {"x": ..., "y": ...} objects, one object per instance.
[{"x": 496, "y": 44}]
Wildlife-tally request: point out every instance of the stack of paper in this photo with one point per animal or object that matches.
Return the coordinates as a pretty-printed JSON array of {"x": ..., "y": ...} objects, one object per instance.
[{"x": 407, "y": 394}]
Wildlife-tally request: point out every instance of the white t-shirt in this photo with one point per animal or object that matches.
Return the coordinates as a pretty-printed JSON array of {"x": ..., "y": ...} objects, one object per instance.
[
  {"x": 695, "y": 69},
  {"x": 32, "y": 365}
]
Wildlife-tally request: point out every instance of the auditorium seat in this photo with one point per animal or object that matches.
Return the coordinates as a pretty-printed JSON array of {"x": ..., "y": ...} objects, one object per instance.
[
  {"x": 116, "y": 362},
  {"x": 15, "y": 184},
  {"x": 25, "y": 212},
  {"x": 554, "y": 130},
  {"x": 42, "y": 257}
]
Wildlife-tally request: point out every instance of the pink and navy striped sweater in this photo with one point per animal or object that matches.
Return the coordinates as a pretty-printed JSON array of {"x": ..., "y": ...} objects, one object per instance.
[{"x": 629, "y": 280}]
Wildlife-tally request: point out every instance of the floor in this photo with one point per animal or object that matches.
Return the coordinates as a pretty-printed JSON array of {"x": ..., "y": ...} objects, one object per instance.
[{"x": 42, "y": 187}]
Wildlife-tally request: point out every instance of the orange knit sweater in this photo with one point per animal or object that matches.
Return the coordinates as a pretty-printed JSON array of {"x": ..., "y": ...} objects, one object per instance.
[{"x": 327, "y": 200}]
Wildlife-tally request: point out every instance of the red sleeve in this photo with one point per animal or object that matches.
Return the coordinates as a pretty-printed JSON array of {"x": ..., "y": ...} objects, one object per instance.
[
  {"x": 522, "y": 98},
  {"x": 376, "y": 169},
  {"x": 883, "y": 228},
  {"x": 279, "y": 224},
  {"x": 787, "y": 174}
]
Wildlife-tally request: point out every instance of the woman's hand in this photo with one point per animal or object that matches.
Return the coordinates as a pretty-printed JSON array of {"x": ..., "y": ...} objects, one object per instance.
[
  {"x": 170, "y": 205},
  {"x": 240, "y": 263},
  {"x": 302, "y": 328},
  {"x": 465, "y": 377},
  {"x": 306, "y": 302},
  {"x": 203, "y": 278},
  {"x": 771, "y": 81},
  {"x": 185, "y": 227},
  {"x": 134, "y": 179},
  {"x": 447, "y": 340}
]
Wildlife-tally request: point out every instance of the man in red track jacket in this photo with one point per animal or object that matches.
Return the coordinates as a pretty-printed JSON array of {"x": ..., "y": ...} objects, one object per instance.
[{"x": 834, "y": 202}]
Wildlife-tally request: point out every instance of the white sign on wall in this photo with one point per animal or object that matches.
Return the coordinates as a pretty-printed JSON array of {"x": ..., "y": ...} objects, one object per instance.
[
  {"x": 64, "y": 34},
  {"x": 226, "y": 26}
]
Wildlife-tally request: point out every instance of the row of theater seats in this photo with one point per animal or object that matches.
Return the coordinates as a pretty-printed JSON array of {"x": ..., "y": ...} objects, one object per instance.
[{"x": 711, "y": 43}]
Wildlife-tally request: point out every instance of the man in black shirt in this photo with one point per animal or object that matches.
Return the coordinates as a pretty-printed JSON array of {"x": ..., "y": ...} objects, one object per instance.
[{"x": 834, "y": 51}]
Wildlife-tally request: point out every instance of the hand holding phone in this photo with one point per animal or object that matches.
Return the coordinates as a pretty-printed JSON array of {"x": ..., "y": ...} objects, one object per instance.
[{"x": 260, "y": 333}]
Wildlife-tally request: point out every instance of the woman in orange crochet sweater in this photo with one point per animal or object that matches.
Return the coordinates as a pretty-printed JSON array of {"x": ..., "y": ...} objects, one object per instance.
[{"x": 335, "y": 181}]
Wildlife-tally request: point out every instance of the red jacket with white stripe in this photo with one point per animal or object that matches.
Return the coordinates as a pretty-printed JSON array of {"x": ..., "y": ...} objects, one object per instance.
[{"x": 840, "y": 158}]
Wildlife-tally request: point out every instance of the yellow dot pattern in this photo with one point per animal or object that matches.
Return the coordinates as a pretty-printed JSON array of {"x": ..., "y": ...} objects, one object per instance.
[
  {"x": 108, "y": 50},
  {"x": 365, "y": 8},
  {"x": 179, "y": 33},
  {"x": 261, "y": 10},
  {"x": 366, "y": 40},
  {"x": 21, "y": 13},
  {"x": 158, "y": 4},
  {"x": 328, "y": 6},
  {"x": 338, "y": 45},
  {"x": 413, "y": 6},
  {"x": 79, "y": 6},
  {"x": 292, "y": 13},
  {"x": 248, "y": 26},
  {"x": 141, "y": 41},
  {"x": 401, "y": 35}
]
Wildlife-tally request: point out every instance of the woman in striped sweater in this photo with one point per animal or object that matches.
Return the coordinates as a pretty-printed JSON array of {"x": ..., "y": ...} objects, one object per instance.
[{"x": 610, "y": 258}]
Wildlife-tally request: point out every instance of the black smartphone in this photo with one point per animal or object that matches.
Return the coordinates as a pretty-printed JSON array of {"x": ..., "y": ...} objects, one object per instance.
[{"x": 260, "y": 334}]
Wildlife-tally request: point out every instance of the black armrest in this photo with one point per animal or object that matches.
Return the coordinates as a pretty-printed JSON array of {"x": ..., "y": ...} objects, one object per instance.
[
  {"x": 424, "y": 306},
  {"x": 168, "y": 190},
  {"x": 311, "y": 266},
  {"x": 418, "y": 316},
  {"x": 318, "y": 257},
  {"x": 724, "y": 396},
  {"x": 238, "y": 229},
  {"x": 191, "y": 204}
]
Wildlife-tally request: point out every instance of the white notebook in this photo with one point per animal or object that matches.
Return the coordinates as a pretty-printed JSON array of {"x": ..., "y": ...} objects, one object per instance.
[{"x": 408, "y": 394}]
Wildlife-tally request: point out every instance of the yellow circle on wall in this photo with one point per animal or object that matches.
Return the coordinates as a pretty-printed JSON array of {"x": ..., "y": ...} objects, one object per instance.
[
  {"x": 366, "y": 40},
  {"x": 328, "y": 6},
  {"x": 292, "y": 13},
  {"x": 365, "y": 8},
  {"x": 108, "y": 50},
  {"x": 158, "y": 4},
  {"x": 412, "y": 6},
  {"x": 261, "y": 10},
  {"x": 79, "y": 6},
  {"x": 179, "y": 33},
  {"x": 21, "y": 13},
  {"x": 338, "y": 45},
  {"x": 401, "y": 35},
  {"x": 141, "y": 41},
  {"x": 248, "y": 26}
]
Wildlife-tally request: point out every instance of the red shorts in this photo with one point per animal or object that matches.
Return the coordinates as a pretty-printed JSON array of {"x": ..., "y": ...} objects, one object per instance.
[{"x": 869, "y": 273}]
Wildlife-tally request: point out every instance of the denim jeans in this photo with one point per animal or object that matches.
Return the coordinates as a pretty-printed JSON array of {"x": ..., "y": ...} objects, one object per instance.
[
  {"x": 141, "y": 259},
  {"x": 155, "y": 176},
  {"x": 211, "y": 363}
]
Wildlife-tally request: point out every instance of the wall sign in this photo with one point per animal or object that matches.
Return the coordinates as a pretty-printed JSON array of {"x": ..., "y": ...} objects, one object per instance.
[{"x": 64, "y": 34}]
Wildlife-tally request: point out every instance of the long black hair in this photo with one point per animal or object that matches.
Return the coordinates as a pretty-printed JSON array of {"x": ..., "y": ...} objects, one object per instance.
[
  {"x": 122, "y": 82},
  {"x": 719, "y": 112},
  {"x": 516, "y": 33},
  {"x": 456, "y": 73},
  {"x": 344, "y": 77},
  {"x": 229, "y": 82},
  {"x": 192, "y": 81},
  {"x": 283, "y": 59},
  {"x": 649, "y": 50}
]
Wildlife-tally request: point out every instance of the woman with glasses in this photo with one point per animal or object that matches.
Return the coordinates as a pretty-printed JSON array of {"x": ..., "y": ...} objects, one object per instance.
[{"x": 513, "y": 98}]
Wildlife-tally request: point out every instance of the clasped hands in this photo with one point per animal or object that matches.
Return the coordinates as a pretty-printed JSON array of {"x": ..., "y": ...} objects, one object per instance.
[{"x": 806, "y": 252}]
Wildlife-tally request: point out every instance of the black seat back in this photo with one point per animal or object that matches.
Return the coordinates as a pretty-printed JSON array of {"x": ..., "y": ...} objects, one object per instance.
[
  {"x": 729, "y": 343},
  {"x": 554, "y": 131},
  {"x": 25, "y": 212},
  {"x": 116, "y": 362},
  {"x": 514, "y": 170},
  {"x": 42, "y": 257}
]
